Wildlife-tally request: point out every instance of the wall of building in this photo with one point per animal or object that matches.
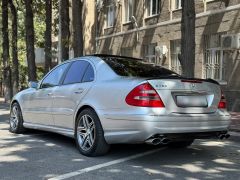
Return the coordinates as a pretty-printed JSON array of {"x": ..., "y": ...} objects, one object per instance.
[
  {"x": 89, "y": 28},
  {"x": 212, "y": 17}
]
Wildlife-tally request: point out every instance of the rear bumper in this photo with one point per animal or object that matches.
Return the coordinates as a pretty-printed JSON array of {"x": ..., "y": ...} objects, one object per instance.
[
  {"x": 189, "y": 136},
  {"x": 138, "y": 128}
]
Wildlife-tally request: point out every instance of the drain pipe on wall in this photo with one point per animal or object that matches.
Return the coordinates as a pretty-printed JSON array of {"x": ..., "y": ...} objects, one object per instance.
[{"x": 134, "y": 21}]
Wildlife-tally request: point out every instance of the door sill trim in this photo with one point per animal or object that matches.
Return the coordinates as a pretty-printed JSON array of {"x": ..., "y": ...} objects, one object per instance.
[{"x": 59, "y": 130}]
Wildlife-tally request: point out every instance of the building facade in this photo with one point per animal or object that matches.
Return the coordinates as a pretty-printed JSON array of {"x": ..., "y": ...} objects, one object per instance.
[{"x": 151, "y": 29}]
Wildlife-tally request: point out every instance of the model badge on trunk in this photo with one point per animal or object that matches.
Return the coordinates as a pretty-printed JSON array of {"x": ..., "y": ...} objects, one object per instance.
[{"x": 193, "y": 85}]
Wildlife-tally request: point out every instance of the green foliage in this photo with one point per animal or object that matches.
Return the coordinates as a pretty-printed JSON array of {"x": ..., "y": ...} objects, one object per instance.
[{"x": 39, "y": 28}]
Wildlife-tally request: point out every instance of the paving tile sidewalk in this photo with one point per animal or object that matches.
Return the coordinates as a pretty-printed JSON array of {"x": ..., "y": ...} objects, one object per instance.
[{"x": 235, "y": 120}]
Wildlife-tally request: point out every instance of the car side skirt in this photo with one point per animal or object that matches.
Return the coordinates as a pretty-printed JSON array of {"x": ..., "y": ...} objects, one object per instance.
[{"x": 59, "y": 130}]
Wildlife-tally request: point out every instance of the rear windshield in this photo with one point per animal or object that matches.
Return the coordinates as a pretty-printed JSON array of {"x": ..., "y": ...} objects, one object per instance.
[{"x": 132, "y": 67}]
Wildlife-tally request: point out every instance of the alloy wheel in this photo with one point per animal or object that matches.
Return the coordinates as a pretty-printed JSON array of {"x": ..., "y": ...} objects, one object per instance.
[
  {"x": 14, "y": 118},
  {"x": 86, "y": 132}
]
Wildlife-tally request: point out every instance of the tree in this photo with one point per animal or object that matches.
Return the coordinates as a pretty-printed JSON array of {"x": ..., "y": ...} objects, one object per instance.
[
  {"x": 187, "y": 57},
  {"x": 77, "y": 7},
  {"x": 48, "y": 36},
  {"x": 5, "y": 48},
  {"x": 15, "y": 74},
  {"x": 29, "y": 28},
  {"x": 64, "y": 29}
]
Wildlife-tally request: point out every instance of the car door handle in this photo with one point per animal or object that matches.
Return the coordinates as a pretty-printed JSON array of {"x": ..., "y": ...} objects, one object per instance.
[
  {"x": 79, "y": 91},
  {"x": 49, "y": 94}
]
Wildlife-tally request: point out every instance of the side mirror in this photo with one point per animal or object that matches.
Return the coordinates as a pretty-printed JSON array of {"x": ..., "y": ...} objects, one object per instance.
[{"x": 33, "y": 84}]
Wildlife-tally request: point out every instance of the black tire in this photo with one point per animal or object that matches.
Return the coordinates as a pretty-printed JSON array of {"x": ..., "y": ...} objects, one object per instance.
[
  {"x": 99, "y": 146},
  {"x": 16, "y": 126},
  {"x": 180, "y": 144}
]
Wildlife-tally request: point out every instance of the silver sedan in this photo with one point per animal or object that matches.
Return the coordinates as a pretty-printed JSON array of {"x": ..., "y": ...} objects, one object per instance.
[{"x": 101, "y": 100}]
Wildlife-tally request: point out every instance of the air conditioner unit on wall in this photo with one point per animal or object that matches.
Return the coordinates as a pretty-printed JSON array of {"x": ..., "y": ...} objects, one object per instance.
[{"x": 230, "y": 41}]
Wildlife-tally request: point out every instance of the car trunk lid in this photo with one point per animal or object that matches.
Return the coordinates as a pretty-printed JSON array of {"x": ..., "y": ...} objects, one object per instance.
[{"x": 185, "y": 96}]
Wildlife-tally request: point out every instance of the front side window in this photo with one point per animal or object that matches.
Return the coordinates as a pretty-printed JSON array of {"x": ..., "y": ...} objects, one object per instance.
[
  {"x": 53, "y": 79},
  {"x": 132, "y": 67},
  {"x": 129, "y": 9},
  {"x": 153, "y": 7},
  {"x": 76, "y": 72},
  {"x": 175, "y": 50},
  {"x": 110, "y": 15}
]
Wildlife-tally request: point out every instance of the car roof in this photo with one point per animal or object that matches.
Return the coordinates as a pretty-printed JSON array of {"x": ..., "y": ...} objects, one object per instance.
[
  {"x": 114, "y": 56},
  {"x": 96, "y": 58},
  {"x": 102, "y": 56}
]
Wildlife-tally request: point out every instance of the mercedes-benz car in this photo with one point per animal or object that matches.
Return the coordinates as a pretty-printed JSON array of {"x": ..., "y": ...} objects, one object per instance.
[{"x": 103, "y": 99}]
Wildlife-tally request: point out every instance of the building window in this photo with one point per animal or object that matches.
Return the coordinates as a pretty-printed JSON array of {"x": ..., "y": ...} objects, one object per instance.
[
  {"x": 175, "y": 50},
  {"x": 110, "y": 15},
  {"x": 213, "y": 66},
  {"x": 153, "y": 7},
  {"x": 176, "y": 4},
  {"x": 129, "y": 9},
  {"x": 149, "y": 53}
]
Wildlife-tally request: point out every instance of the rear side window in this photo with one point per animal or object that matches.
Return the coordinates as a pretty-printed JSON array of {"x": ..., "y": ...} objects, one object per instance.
[
  {"x": 136, "y": 68},
  {"x": 89, "y": 74},
  {"x": 76, "y": 72}
]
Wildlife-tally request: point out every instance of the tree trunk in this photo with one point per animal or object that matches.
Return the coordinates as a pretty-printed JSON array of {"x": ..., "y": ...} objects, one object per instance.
[
  {"x": 64, "y": 10},
  {"x": 187, "y": 58},
  {"x": 15, "y": 74},
  {"x": 5, "y": 46},
  {"x": 29, "y": 27},
  {"x": 77, "y": 7},
  {"x": 48, "y": 36}
]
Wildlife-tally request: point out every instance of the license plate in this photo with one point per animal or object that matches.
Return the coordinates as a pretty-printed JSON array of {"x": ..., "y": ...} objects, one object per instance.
[{"x": 192, "y": 101}]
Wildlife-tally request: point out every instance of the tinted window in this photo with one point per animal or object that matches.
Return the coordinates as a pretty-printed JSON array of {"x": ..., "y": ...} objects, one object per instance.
[
  {"x": 124, "y": 66},
  {"x": 76, "y": 72},
  {"x": 89, "y": 74},
  {"x": 53, "y": 79}
]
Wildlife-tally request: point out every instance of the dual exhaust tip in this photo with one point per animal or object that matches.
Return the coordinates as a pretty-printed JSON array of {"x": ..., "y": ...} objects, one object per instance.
[
  {"x": 223, "y": 136},
  {"x": 163, "y": 140},
  {"x": 157, "y": 141}
]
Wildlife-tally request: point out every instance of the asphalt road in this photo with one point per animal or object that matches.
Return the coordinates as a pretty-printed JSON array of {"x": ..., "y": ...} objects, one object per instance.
[{"x": 43, "y": 155}]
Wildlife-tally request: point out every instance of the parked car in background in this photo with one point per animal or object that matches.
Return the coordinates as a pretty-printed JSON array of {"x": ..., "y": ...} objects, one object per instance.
[{"x": 102, "y": 99}]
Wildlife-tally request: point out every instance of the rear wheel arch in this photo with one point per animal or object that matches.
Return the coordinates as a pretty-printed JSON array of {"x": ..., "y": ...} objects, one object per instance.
[{"x": 81, "y": 109}]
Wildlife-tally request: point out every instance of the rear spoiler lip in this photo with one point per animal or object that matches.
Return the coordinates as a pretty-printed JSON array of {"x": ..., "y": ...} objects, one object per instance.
[{"x": 183, "y": 78}]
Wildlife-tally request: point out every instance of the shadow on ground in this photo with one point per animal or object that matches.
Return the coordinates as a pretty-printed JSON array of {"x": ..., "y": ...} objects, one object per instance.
[{"x": 48, "y": 154}]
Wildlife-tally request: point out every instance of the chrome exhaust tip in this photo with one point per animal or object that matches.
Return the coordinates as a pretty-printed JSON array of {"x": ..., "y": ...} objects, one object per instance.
[
  {"x": 153, "y": 141},
  {"x": 221, "y": 136},
  {"x": 157, "y": 141},
  {"x": 165, "y": 141},
  {"x": 227, "y": 136}
]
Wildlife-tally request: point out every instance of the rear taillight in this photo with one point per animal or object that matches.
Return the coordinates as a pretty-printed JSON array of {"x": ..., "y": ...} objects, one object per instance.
[
  {"x": 222, "y": 103},
  {"x": 144, "y": 95}
]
